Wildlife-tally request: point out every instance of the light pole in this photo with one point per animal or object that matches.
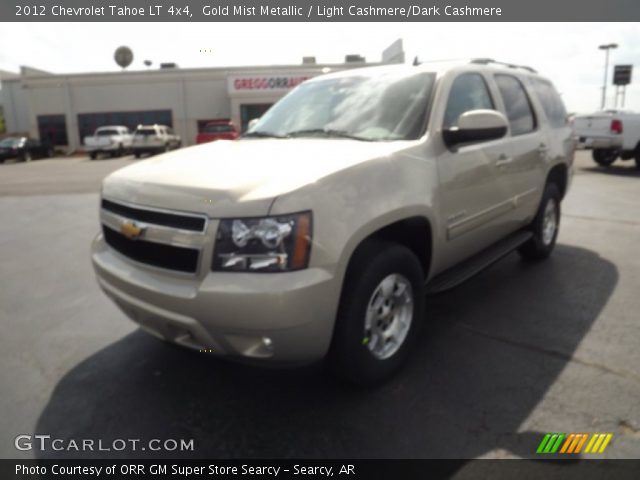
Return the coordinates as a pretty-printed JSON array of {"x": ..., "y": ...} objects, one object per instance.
[{"x": 606, "y": 48}]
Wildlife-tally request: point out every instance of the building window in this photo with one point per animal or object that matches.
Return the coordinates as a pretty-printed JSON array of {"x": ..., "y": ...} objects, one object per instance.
[
  {"x": 249, "y": 112},
  {"x": 53, "y": 129},
  {"x": 88, "y": 122}
]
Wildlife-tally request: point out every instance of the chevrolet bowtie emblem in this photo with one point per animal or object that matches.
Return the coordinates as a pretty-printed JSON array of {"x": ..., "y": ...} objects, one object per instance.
[{"x": 131, "y": 230}]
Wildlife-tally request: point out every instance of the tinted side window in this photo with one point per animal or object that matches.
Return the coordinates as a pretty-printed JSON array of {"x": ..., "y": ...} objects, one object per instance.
[
  {"x": 516, "y": 101},
  {"x": 551, "y": 102},
  {"x": 468, "y": 92}
]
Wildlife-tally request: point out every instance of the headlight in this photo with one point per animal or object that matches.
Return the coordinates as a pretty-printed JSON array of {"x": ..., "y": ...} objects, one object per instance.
[{"x": 269, "y": 244}]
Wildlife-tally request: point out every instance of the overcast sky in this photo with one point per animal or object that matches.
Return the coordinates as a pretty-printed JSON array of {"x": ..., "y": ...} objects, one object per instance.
[{"x": 567, "y": 53}]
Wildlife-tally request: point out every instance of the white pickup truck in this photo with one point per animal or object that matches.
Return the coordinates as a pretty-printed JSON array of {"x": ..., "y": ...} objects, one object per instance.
[
  {"x": 114, "y": 140},
  {"x": 609, "y": 134}
]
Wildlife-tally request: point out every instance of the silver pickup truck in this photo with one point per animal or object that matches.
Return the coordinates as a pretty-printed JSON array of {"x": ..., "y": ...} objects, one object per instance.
[
  {"x": 154, "y": 139},
  {"x": 317, "y": 233}
]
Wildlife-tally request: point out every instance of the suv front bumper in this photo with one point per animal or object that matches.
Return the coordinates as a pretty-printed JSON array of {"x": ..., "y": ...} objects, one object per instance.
[{"x": 278, "y": 318}]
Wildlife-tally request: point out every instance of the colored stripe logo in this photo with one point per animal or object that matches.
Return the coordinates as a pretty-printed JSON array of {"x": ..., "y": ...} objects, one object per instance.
[{"x": 574, "y": 443}]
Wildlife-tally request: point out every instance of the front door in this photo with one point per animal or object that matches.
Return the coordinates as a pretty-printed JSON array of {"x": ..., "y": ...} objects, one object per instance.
[{"x": 475, "y": 195}]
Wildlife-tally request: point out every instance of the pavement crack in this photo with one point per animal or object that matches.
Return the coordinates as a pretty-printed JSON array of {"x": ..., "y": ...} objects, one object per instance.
[{"x": 626, "y": 374}]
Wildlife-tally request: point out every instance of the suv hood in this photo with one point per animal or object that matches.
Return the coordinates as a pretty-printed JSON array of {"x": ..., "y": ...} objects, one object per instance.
[{"x": 228, "y": 178}]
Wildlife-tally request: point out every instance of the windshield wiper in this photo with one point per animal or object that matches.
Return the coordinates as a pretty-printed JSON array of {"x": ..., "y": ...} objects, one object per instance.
[
  {"x": 327, "y": 132},
  {"x": 259, "y": 134}
]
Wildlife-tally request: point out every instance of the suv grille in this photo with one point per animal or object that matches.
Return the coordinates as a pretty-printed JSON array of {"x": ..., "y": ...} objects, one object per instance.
[
  {"x": 182, "y": 222},
  {"x": 157, "y": 254}
]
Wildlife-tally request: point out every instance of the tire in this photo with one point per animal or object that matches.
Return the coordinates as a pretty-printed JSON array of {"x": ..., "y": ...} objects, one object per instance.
[
  {"x": 544, "y": 227},
  {"x": 636, "y": 157},
  {"x": 50, "y": 153},
  {"x": 388, "y": 275},
  {"x": 26, "y": 156},
  {"x": 118, "y": 153},
  {"x": 137, "y": 154},
  {"x": 93, "y": 155},
  {"x": 604, "y": 156}
]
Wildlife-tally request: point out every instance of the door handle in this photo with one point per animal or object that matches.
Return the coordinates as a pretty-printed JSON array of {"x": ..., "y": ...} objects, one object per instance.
[
  {"x": 542, "y": 149},
  {"x": 503, "y": 160}
]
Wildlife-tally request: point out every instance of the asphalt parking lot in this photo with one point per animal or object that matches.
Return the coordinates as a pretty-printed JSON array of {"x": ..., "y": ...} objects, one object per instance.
[{"x": 518, "y": 351}]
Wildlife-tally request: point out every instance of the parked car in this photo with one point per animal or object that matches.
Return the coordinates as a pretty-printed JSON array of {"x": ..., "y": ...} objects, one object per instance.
[
  {"x": 316, "y": 234},
  {"x": 24, "y": 149},
  {"x": 609, "y": 135},
  {"x": 154, "y": 139},
  {"x": 218, "y": 130},
  {"x": 114, "y": 140}
]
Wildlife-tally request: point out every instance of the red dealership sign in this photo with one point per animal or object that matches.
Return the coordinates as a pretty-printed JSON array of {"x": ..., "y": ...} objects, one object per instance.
[{"x": 262, "y": 83}]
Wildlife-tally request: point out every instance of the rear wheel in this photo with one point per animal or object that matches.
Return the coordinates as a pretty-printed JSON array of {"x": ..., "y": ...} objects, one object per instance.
[
  {"x": 604, "y": 156},
  {"x": 379, "y": 315},
  {"x": 26, "y": 156},
  {"x": 544, "y": 226},
  {"x": 119, "y": 152},
  {"x": 93, "y": 155},
  {"x": 636, "y": 156}
]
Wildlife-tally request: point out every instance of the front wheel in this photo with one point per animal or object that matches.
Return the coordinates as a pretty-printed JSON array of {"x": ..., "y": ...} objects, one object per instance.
[
  {"x": 544, "y": 227},
  {"x": 26, "y": 156},
  {"x": 604, "y": 156},
  {"x": 380, "y": 313}
]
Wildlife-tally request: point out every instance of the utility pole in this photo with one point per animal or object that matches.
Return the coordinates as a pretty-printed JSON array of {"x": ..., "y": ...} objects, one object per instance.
[{"x": 606, "y": 48}]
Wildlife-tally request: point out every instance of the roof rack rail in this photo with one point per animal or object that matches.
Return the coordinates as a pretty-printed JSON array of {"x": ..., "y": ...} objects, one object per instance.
[{"x": 486, "y": 61}]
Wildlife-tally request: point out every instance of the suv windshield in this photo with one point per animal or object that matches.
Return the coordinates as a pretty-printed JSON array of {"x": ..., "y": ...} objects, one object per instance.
[
  {"x": 10, "y": 142},
  {"x": 213, "y": 128},
  {"x": 390, "y": 106}
]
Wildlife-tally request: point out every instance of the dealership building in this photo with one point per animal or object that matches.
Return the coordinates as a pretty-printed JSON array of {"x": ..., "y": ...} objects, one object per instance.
[{"x": 64, "y": 108}]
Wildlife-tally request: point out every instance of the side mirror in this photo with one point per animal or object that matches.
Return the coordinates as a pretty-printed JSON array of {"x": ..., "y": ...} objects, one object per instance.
[{"x": 476, "y": 126}]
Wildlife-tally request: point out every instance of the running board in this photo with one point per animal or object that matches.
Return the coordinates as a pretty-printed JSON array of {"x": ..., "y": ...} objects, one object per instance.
[{"x": 474, "y": 265}]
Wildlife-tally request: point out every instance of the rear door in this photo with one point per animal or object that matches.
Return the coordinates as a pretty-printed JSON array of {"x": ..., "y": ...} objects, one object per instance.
[{"x": 529, "y": 147}]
